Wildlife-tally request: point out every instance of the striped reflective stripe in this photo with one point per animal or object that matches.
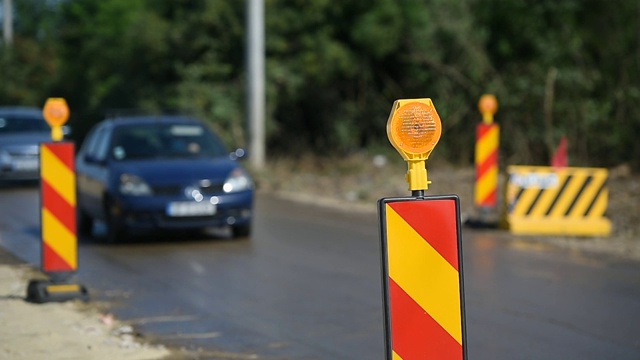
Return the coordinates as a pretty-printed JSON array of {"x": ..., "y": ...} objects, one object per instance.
[
  {"x": 557, "y": 201},
  {"x": 424, "y": 280},
  {"x": 58, "y": 217},
  {"x": 63, "y": 288},
  {"x": 580, "y": 192},
  {"x": 486, "y": 161}
]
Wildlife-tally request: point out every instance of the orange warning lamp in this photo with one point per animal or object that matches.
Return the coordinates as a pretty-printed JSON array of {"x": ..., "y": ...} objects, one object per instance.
[
  {"x": 414, "y": 129},
  {"x": 488, "y": 106},
  {"x": 56, "y": 112}
]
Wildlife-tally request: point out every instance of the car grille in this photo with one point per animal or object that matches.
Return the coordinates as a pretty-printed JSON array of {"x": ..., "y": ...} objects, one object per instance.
[
  {"x": 167, "y": 190},
  {"x": 176, "y": 190},
  {"x": 213, "y": 189}
]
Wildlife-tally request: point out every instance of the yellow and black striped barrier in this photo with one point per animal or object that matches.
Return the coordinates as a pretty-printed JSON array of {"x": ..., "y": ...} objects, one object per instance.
[{"x": 557, "y": 201}]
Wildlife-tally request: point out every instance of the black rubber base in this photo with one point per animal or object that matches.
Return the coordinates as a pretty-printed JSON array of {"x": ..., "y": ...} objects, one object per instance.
[{"x": 43, "y": 291}]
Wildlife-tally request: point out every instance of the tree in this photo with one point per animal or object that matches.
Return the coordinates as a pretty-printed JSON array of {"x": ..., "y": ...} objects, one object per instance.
[{"x": 334, "y": 69}]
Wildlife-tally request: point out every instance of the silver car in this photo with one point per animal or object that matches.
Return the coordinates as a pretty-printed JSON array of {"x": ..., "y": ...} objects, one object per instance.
[{"x": 22, "y": 129}]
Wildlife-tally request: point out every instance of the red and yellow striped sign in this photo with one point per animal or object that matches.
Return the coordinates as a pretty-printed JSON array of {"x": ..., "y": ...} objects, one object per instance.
[
  {"x": 486, "y": 160},
  {"x": 422, "y": 278},
  {"x": 58, "y": 219}
]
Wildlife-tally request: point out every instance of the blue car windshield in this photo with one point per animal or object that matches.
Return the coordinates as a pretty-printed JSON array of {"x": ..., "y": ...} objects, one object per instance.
[
  {"x": 21, "y": 124},
  {"x": 163, "y": 140}
]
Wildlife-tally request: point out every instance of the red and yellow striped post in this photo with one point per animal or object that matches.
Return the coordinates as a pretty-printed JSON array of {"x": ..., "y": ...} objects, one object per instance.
[
  {"x": 422, "y": 278},
  {"x": 58, "y": 220},
  {"x": 58, "y": 213},
  {"x": 486, "y": 155},
  {"x": 421, "y": 249}
]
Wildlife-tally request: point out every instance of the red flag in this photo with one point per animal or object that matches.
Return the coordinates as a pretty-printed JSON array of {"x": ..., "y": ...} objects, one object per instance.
[{"x": 561, "y": 157}]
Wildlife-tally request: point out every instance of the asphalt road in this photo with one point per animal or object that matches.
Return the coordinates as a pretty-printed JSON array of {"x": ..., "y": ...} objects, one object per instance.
[{"x": 308, "y": 286}]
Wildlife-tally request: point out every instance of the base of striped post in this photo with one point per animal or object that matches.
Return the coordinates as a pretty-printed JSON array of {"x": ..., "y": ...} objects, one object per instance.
[{"x": 45, "y": 291}]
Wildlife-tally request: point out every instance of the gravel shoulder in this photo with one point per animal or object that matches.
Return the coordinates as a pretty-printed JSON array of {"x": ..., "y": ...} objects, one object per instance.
[{"x": 69, "y": 330}]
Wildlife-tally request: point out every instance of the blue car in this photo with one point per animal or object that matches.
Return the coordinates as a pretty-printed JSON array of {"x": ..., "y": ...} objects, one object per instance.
[
  {"x": 22, "y": 129},
  {"x": 146, "y": 173}
]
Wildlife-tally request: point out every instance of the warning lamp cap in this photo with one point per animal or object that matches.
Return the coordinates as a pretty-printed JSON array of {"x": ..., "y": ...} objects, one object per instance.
[
  {"x": 488, "y": 104},
  {"x": 56, "y": 111},
  {"x": 414, "y": 127}
]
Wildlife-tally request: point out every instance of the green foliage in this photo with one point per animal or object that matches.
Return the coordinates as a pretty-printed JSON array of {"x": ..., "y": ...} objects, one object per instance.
[
  {"x": 25, "y": 70},
  {"x": 29, "y": 68},
  {"x": 559, "y": 68}
]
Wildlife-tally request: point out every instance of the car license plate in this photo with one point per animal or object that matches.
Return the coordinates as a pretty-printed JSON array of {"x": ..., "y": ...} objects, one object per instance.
[
  {"x": 190, "y": 208},
  {"x": 25, "y": 164}
]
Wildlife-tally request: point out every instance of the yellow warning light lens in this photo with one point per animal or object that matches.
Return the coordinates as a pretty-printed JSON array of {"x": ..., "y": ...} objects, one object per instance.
[
  {"x": 56, "y": 111},
  {"x": 488, "y": 104},
  {"x": 415, "y": 128}
]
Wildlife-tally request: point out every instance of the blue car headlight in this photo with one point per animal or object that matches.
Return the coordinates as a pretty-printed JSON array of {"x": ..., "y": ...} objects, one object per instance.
[
  {"x": 238, "y": 180},
  {"x": 133, "y": 185}
]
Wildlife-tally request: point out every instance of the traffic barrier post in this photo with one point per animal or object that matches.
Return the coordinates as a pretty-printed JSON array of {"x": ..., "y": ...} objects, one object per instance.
[
  {"x": 59, "y": 260},
  {"x": 486, "y": 164},
  {"x": 421, "y": 249}
]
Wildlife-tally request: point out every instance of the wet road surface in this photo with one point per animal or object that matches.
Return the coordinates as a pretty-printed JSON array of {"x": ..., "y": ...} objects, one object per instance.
[{"x": 308, "y": 286}]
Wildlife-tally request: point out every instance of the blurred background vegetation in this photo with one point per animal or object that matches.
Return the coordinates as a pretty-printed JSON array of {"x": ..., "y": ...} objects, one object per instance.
[{"x": 558, "y": 68}]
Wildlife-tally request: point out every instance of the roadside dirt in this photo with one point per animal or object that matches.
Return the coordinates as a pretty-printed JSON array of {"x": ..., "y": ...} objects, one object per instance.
[
  {"x": 358, "y": 181},
  {"x": 70, "y": 330}
]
